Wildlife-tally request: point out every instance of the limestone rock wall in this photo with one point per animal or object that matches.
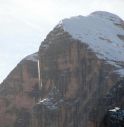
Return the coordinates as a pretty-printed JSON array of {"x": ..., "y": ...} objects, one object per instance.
[
  {"x": 18, "y": 95},
  {"x": 77, "y": 86}
]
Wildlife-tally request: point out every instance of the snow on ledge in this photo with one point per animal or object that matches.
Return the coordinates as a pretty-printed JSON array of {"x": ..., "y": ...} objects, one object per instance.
[
  {"x": 32, "y": 57},
  {"x": 115, "y": 109},
  {"x": 49, "y": 103}
]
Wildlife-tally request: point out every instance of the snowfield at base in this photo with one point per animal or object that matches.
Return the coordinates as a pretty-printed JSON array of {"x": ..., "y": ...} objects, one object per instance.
[{"x": 100, "y": 32}]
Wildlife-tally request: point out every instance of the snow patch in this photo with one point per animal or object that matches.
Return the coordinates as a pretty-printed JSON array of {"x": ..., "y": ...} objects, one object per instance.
[
  {"x": 115, "y": 109},
  {"x": 49, "y": 103},
  {"x": 33, "y": 57},
  {"x": 120, "y": 72}
]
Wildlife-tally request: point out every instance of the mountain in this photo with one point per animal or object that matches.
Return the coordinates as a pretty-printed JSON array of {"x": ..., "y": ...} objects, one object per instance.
[{"x": 81, "y": 69}]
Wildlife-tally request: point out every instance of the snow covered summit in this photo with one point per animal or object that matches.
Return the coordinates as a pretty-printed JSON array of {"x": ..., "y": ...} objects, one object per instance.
[{"x": 103, "y": 32}]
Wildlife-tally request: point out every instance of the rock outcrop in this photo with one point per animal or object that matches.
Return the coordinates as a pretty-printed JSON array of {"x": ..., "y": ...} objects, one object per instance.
[{"x": 81, "y": 76}]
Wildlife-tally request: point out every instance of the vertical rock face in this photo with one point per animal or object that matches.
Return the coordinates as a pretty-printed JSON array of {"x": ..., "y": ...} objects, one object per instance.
[
  {"x": 80, "y": 83},
  {"x": 18, "y": 94},
  {"x": 81, "y": 72}
]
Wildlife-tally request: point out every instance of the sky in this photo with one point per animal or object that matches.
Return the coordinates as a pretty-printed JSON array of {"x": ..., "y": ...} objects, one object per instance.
[{"x": 24, "y": 24}]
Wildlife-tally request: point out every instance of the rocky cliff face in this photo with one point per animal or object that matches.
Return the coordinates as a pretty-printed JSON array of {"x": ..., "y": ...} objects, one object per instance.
[
  {"x": 81, "y": 76},
  {"x": 19, "y": 93},
  {"x": 80, "y": 62}
]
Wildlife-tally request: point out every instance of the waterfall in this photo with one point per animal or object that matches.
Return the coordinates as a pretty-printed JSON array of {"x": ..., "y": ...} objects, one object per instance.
[{"x": 39, "y": 75}]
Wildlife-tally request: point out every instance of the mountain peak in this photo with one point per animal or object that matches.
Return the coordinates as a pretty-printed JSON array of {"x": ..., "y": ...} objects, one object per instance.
[{"x": 103, "y": 33}]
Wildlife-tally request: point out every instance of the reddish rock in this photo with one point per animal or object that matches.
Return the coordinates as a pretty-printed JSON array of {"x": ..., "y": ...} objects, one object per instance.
[{"x": 18, "y": 91}]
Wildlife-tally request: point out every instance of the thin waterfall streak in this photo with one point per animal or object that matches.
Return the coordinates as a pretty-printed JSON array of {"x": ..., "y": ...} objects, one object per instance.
[{"x": 40, "y": 82}]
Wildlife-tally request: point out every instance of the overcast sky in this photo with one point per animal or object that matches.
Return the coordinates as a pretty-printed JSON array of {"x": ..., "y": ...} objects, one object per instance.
[{"x": 25, "y": 23}]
